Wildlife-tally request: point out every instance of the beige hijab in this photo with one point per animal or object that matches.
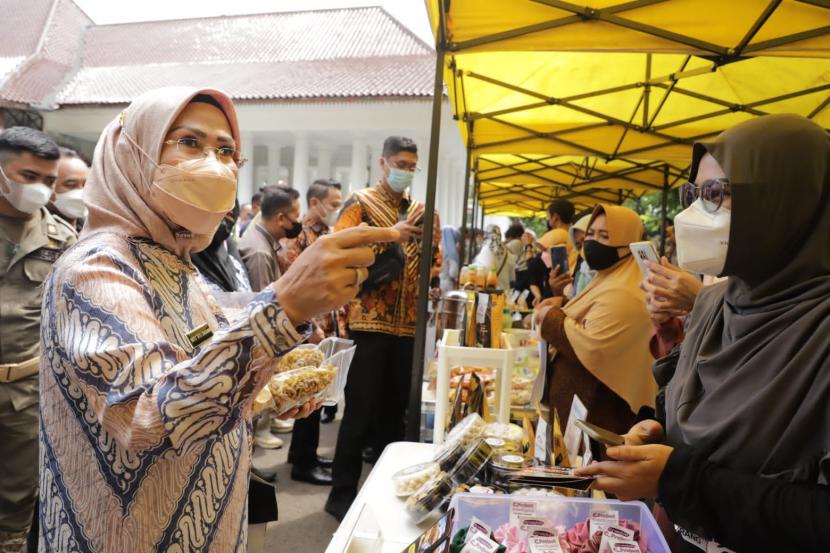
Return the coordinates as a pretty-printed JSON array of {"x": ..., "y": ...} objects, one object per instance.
[
  {"x": 117, "y": 192},
  {"x": 608, "y": 325}
]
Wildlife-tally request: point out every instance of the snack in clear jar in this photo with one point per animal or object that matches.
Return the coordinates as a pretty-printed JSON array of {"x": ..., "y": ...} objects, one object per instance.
[
  {"x": 295, "y": 387},
  {"x": 299, "y": 358},
  {"x": 468, "y": 430},
  {"x": 449, "y": 455},
  {"x": 407, "y": 481},
  {"x": 472, "y": 462},
  {"x": 429, "y": 497},
  {"x": 505, "y": 431}
]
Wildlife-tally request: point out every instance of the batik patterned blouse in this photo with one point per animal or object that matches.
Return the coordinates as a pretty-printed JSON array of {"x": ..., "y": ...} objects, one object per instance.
[{"x": 145, "y": 438}]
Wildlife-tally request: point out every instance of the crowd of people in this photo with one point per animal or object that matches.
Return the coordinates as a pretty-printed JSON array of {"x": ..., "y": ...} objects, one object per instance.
[{"x": 126, "y": 392}]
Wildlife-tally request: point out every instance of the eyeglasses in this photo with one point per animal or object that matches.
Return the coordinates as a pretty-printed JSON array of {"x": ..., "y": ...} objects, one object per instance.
[
  {"x": 711, "y": 192},
  {"x": 404, "y": 166},
  {"x": 192, "y": 148}
]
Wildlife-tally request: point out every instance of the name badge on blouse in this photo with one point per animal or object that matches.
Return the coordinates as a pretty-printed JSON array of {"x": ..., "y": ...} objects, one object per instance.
[{"x": 200, "y": 335}]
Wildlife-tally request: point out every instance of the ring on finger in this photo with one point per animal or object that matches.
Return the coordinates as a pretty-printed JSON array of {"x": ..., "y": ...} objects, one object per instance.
[{"x": 360, "y": 276}]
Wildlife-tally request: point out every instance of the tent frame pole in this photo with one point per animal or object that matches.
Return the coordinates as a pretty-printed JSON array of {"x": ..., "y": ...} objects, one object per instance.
[
  {"x": 664, "y": 210},
  {"x": 467, "y": 171},
  {"x": 413, "y": 419}
]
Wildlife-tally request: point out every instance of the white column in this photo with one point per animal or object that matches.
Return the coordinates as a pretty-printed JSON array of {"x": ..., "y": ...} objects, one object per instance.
[
  {"x": 245, "y": 179},
  {"x": 274, "y": 151},
  {"x": 299, "y": 180},
  {"x": 375, "y": 153},
  {"x": 359, "y": 175},
  {"x": 324, "y": 161}
]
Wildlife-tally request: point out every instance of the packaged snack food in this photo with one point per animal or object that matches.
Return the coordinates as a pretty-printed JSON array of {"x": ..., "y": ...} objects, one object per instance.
[
  {"x": 472, "y": 462},
  {"x": 263, "y": 400},
  {"x": 410, "y": 479},
  {"x": 342, "y": 360},
  {"x": 503, "y": 466},
  {"x": 470, "y": 428},
  {"x": 293, "y": 388},
  {"x": 301, "y": 357},
  {"x": 429, "y": 497},
  {"x": 449, "y": 455},
  {"x": 505, "y": 431}
]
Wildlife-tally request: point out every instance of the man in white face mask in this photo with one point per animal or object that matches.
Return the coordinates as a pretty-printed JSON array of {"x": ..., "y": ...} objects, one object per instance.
[
  {"x": 31, "y": 239},
  {"x": 68, "y": 202}
]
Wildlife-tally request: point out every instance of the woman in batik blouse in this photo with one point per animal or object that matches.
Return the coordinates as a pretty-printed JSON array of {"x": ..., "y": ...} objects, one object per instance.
[{"x": 146, "y": 388}]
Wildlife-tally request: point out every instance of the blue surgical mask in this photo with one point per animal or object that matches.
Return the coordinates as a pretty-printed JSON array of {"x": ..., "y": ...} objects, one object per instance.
[{"x": 399, "y": 180}]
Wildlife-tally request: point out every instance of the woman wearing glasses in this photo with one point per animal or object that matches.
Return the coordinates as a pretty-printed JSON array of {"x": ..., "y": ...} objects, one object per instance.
[
  {"x": 146, "y": 388},
  {"x": 747, "y": 416}
]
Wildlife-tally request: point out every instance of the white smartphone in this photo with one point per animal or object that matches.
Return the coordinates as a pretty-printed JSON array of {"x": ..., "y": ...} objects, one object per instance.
[{"x": 642, "y": 252}]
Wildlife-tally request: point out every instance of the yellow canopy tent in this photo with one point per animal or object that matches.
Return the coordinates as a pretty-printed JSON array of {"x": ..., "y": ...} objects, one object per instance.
[
  {"x": 637, "y": 80},
  {"x": 624, "y": 86}
]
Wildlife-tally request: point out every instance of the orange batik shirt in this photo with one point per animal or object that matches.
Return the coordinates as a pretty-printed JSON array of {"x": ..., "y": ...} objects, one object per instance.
[{"x": 392, "y": 308}]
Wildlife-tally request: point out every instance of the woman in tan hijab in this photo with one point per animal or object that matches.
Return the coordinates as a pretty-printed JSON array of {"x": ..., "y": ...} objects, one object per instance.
[
  {"x": 600, "y": 338},
  {"x": 146, "y": 388}
]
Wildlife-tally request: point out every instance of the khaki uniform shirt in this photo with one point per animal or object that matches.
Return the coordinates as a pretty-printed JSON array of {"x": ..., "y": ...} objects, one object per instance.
[
  {"x": 259, "y": 252},
  {"x": 27, "y": 251}
]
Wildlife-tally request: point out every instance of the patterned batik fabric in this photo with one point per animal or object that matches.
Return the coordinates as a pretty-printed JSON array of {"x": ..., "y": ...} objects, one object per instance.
[
  {"x": 393, "y": 307},
  {"x": 145, "y": 438}
]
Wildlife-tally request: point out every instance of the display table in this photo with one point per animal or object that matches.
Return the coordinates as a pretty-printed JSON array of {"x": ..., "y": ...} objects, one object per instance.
[{"x": 377, "y": 503}]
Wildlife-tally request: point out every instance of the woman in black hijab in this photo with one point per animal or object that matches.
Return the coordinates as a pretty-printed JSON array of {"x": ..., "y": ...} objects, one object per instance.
[
  {"x": 747, "y": 394},
  {"x": 219, "y": 263}
]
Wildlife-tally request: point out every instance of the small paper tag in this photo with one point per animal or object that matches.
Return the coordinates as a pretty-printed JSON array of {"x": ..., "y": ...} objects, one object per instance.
[
  {"x": 477, "y": 528},
  {"x": 600, "y": 520},
  {"x": 545, "y": 545},
  {"x": 625, "y": 546},
  {"x": 520, "y": 510},
  {"x": 614, "y": 534},
  {"x": 480, "y": 544}
]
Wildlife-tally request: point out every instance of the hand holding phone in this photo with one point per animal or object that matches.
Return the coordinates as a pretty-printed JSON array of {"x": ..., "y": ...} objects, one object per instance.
[
  {"x": 642, "y": 252},
  {"x": 599, "y": 434}
]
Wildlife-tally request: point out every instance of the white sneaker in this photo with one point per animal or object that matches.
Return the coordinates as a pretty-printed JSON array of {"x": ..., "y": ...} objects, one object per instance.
[
  {"x": 266, "y": 440},
  {"x": 282, "y": 427}
]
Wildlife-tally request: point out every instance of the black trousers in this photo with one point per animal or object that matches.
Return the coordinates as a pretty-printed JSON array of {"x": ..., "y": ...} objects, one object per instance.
[
  {"x": 304, "y": 441},
  {"x": 377, "y": 395}
]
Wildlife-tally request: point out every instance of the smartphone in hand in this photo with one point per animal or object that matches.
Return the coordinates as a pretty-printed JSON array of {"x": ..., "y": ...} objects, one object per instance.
[
  {"x": 559, "y": 258},
  {"x": 642, "y": 252},
  {"x": 599, "y": 434}
]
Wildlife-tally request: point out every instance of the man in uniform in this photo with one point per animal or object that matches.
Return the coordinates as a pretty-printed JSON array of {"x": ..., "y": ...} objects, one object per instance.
[
  {"x": 31, "y": 239},
  {"x": 324, "y": 200}
]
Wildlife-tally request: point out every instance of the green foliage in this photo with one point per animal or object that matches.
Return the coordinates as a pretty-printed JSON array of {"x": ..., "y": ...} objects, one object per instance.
[
  {"x": 650, "y": 208},
  {"x": 536, "y": 224}
]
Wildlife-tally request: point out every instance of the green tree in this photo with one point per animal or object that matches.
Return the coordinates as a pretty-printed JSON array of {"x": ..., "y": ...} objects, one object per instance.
[{"x": 650, "y": 207}]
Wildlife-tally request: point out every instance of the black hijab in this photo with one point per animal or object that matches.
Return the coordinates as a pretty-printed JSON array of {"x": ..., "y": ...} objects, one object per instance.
[
  {"x": 214, "y": 262},
  {"x": 752, "y": 383}
]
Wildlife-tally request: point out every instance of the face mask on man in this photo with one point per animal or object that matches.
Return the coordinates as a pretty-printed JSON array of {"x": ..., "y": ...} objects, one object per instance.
[
  {"x": 26, "y": 198},
  {"x": 600, "y": 256},
  {"x": 399, "y": 180},
  {"x": 327, "y": 218},
  {"x": 294, "y": 230},
  {"x": 71, "y": 204},
  {"x": 702, "y": 238}
]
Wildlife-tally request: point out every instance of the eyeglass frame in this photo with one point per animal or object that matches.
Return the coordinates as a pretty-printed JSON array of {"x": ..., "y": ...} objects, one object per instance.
[
  {"x": 236, "y": 153},
  {"x": 415, "y": 169},
  {"x": 706, "y": 191}
]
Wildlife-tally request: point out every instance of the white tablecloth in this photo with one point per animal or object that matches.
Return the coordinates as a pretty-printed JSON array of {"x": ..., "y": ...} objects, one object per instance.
[{"x": 378, "y": 495}]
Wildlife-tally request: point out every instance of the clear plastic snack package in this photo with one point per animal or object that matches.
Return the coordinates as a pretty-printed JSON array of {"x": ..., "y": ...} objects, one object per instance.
[
  {"x": 407, "y": 481},
  {"x": 430, "y": 497},
  {"x": 469, "y": 429},
  {"x": 342, "y": 360},
  {"x": 505, "y": 431},
  {"x": 331, "y": 345},
  {"x": 305, "y": 355},
  {"x": 295, "y": 387}
]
